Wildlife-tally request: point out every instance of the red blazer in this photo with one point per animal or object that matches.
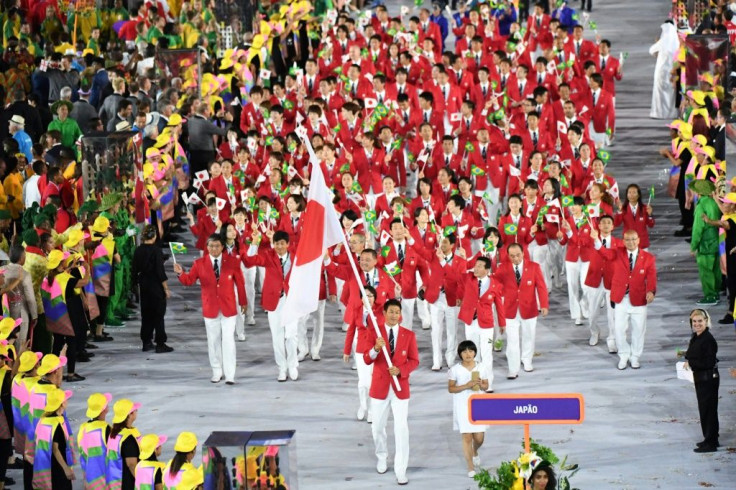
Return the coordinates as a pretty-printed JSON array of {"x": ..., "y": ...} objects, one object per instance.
[
  {"x": 638, "y": 222},
  {"x": 447, "y": 276},
  {"x": 203, "y": 227},
  {"x": 287, "y": 225},
  {"x": 527, "y": 297},
  {"x": 588, "y": 50},
  {"x": 384, "y": 291},
  {"x": 639, "y": 282},
  {"x": 472, "y": 304},
  {"x": 218, "y": 296},
  {"x": 464, "y": 227},
  {"x": 436, "y": 206},
  {"x": 579, "y": 244},
  {"x": 522, "y": 236},
  {"x": 250, "y": 118},
  {"x": 361, "y": 328},
  {"x": 414, "y": 261},
  {"x": 406, "y": 358},
  {"x": 275, "y": 284},
  {"x": 604, "y": 113},
  {"x": 601, "y": 269},
  {"x": 610, "y": 73}
]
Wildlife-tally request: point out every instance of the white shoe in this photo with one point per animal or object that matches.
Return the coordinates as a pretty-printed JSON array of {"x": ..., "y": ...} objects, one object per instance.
[
  {"x": 593, "y": 339},
  {"x": 282, "y": 376},
  {"x": 436, "y": 367},
  {"x": 426, "y": 326},
  {"x": 293, "y": 374},
  {"x": 215, "y": 379},
  {"x": 471, "y": 474},
  {"x": 528, "y": 367},
  {"x": 578, "y": 322},
  {"x": 315, "y": 357},
  {"x": 241, "y": 337},
  {"x": 622, "y": 364},
  {"x": 402, "y": 480},
  {"x": 361, "y": 413},
  {"x": 300, "y": 357},
  {"x": 250, "y": 321},
  {"x": 344, "y": 327},
  {"x": 369, "y": 418},
  {"x": 612, "y": 349},
  {"x": 635, "y": 363},
  {"x": 354, "y": 367},
  {"x": 381, "y": 467},
  {"x": 476, "y": 461}
]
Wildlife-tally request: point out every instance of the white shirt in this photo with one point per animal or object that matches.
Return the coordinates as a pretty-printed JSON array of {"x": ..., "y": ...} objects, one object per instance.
[
  {"x": 389, "y": 329},
  {"x": 285, "y": 263},
  {"x": 485, "y": 283},
  {"x": 31, "y": 193}
]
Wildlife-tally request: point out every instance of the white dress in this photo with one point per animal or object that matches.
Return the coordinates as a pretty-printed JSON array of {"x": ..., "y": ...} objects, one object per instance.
[
  {"x": 663, "y": 93},
  {"x": 461, "y": 419}
]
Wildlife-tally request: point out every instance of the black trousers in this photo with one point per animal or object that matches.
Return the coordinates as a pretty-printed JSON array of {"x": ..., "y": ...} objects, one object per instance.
[
  {"x": 731, "y": 281},
  {"x": 582, "y": 5},
  {"x": 102, "y": 302},
  {"x": 199, "y": 160},
  {"x": 153, "y": 310},
  {"x": 706, "y": 389},
  {"x": 71, "y": 350}
]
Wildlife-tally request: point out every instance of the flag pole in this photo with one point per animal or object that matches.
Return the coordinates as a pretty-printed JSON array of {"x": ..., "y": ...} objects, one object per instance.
[
  {"x": 173, "y": 255},
  {"x": 315, "y": 161}
]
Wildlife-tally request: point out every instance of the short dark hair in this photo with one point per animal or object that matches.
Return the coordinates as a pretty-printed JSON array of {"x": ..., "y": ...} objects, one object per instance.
[
  {"x": 391, "y": 302},
  {"x": 486, "y": 261},
  {"x": 466, "y": 345},
  {"x": 280, "y": 235},
  {"x": 216, "y": 237}
]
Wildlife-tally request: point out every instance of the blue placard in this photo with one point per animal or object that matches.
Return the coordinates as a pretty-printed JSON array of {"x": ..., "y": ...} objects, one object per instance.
[{"x": 526, "y": 409}]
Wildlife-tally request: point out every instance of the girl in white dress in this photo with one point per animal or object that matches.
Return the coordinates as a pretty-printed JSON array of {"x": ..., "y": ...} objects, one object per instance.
[{"x": 463, "y": 383}]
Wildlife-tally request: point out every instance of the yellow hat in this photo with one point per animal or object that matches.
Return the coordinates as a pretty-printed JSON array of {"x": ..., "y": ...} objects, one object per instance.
[
  {"x": 185, "y": 442},
  {"x": 28, "y": 361},
  {"x": 675, "y": 124},
  {"x": 227, "y": 62},
  {"x": 686, "y": 129},
  {"x": 122, "y": 409},
  {"x": 149, "y": 443},
  {"x": 87, "y": 51},
  {"x": 96, "y": 403},
  {"x": 54, "y": 259},
  {"x": 191, "y": 479},
  {"x": 74, "y": 237},
  {"x": 698, "y": 96},
  {"x": 175, "y": 120},
  {"x": 50, "y": 363},
  {"x": 729, "y": 198},
  {"x": 55, "y": 398},
  {"x": 705, "y": 150},
  {"x": 152, "y": 153},
  {"x": 707, "y": 78},
  {"x": 101, "y": 225},
  {"x": 163, "y": 139},
  {"x": 700, "y": 139},
  {"x": 7, "y": 325}
]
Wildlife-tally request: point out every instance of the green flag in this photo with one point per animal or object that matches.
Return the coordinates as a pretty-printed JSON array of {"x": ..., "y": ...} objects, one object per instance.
[
  {"x": 449, "y": 230},
  {"x": 178, "y": 248},
  {"x": 567, "y": 201},
  {"x": 477, "y": 171},
  {"x": 510, "y": 229}
]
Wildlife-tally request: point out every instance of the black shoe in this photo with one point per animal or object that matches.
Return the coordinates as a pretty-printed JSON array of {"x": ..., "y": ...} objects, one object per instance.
[
  {"x": 71, "y": 378},
  {"x": 683, "y": 232},
  {"x": 705, "y": 449},
  {"x": 163, "y": 348},
  {"x": 83, "y": 358},
  {"x": 90, "y": 346},
  {"x": 102, "y": 338},
  {"x": 85, "y": 353},
  {"x": 702, "y": 443},
  {"x": 17, "y": 464},
  {"x": 726, "y": 320},
  {"x": 148, "y": 346}
]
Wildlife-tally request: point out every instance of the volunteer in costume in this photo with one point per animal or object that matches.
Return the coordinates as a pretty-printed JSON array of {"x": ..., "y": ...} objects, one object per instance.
[
  {"x": 61, "y": 296},
  {"x": 122, "y": 446},
  {"x": 6, "y": 414},
  {"x": 181, "y": 463},
  {"x": 92, "y": 441},
  {"x": 20, "y": 397},
  {"x": 149, "y": 472},
  {"x": 53, "y": 446}
]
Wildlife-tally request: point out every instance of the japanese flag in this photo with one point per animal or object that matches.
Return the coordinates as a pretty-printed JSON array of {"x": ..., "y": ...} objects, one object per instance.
[
  {"x": 385, "y": 237},
  {"x": 202, "y": 175},
  {"x": 455, "y": 117},
  {"x": 243, "y": 196},
  {"x": 514, "y": 172},
  {"x": 552, "y": 218},
  {"x": 265, "y": 74},
  {"x": 370, "y": 103},
  {"x": 561, "y": 127},
  {"x": 613, "y": 191},
  {"x": 220, "y": 203}
]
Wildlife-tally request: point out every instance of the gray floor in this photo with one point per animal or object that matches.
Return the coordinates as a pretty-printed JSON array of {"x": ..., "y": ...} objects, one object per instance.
[{"x": 640, "y": 426}]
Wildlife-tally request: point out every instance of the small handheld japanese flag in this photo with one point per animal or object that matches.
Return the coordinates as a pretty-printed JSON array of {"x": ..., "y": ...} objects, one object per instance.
[
  {"x": 385, "y": 237},
  {"x": 552, "y": 218},
  {"x": 265, "y": 74},
  {"x": 202, "y": 175},
  {"x": 220, "y": 203},
  {"x": 243, "y": 196},
  {"x": 514, "y": 172},
  {"x": 561, "y": 127},
  {"x": 370, "y": 103},
  {"x": 455, "y": 117}
]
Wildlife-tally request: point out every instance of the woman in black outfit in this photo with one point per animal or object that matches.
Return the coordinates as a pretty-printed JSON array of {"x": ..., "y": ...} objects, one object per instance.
[
  {"x": 701, "y": 359},
  {"x": 149, "y": 274}
]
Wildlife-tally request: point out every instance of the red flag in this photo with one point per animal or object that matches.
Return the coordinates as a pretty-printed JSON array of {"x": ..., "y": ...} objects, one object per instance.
[{"x": 321, "y": 230}]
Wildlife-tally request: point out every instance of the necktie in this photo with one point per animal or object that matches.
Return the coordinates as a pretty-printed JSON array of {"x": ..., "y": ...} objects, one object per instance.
[
  {"x": 380, "y": 99},
  {"x": 467, "y": 124},
  {"x": 355, "y": 88},
  {"x": 603, "y": 64},
  {"x": 401, "y": 90},
  {"x": 518, "y": 274},
  {"x": 480, "y": 286},
  {"x": 477, "y": 60},
  {"x": 604, "y": 243},
  {"x": 577, "y": 153},
  {"x": 391, "y": 340},
  {"x": 485, "y": 91},
  {"x": 517, "y": 158},
  {"x": 401, "y": 254},
  {"x": 459, "y": 76},
  {"x": 444, "y": 92},
  {"x": 426, "y": 116},
  {"x": 539, "y": 22},
  {"x": 406, "y": 117},
  {"x": 561, "y": 57},
  {"x": 294, "y": 222},
  {"x": 311, "y": 85},
  {"x": 595, "y": 99},
  {"x": 216, "y": 268},
  {"x": 631, "y": 262},
  {"x": 447, "y": 161},
  {"x": 503, "y": 81},
  {"x": 521, "y": 88},
  {"x": 535, "y": 138},
  {"x": 483, "y": 152},
  {"x": 368, "y": 279},
  {"x": 577, "y": 48},
  {"x": 540, "y": 80}
]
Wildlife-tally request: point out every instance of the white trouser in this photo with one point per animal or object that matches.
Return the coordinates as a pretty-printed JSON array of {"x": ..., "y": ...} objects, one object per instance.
[
  {"x": 400, "y": 410},
  {"x": 261, "y": 277},
  {"x": 339, "y": 283},
  {"x": 318, "y": 316},
  {"x": 538, "y": 254},
  {"x": 439, "y": 311},
  {"x": 636, "y": 316},
  {"x": 365, "y": 375},
  {"x": 556, "y": 260},
  {"x": 284, "y": 338},
  {"x": 407, "y": 312},
  {"x": 600, "y": 139},
  {"x": 249, "y": 273},
  {"x": 422, "y": 305},
  {"x": 483, "y": 340},
  {"x": 527, "y": 329},
  {"x": 240, "y": 317},
  {"x": 595, "y": 297},
  {"x": 576, "y": 272},
  {"x": 221, "y": 345}
]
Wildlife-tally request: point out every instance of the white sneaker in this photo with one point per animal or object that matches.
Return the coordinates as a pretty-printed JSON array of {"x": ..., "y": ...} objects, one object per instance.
[
  {"x": 300, "y": 357},
  {"x": 369, "y": 418},
  {"x": 282, "y": 376},
  {"x": 402, "y": 480},
  {"x": 293, "y": 374},
  {"x": 381, "y": 467},
  {"x": 528, "y": 367},
  {"x": 476, "y": 461},
  {"x": 361, "y": 413},
  {"x": 635, "y": 363},
  {"x": 215, "y": 379},
  {"x": 471, "y": 474},
  {"x": 578, "y": 322},
  {"x": 593, "y": 339},
  {"x": 315, "y": 357},
  {"x": 612, "y": 349},
  {"x": 241, "y": 337},
  {"x": 345, "y": 327},
  {"x": 250, "y": 321},
  {"x": 436, "y": 367},
  {"x": 354, "y": 367},
  {"x": 426, "y": 326},
  {"x": 622, "y": 364}
]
